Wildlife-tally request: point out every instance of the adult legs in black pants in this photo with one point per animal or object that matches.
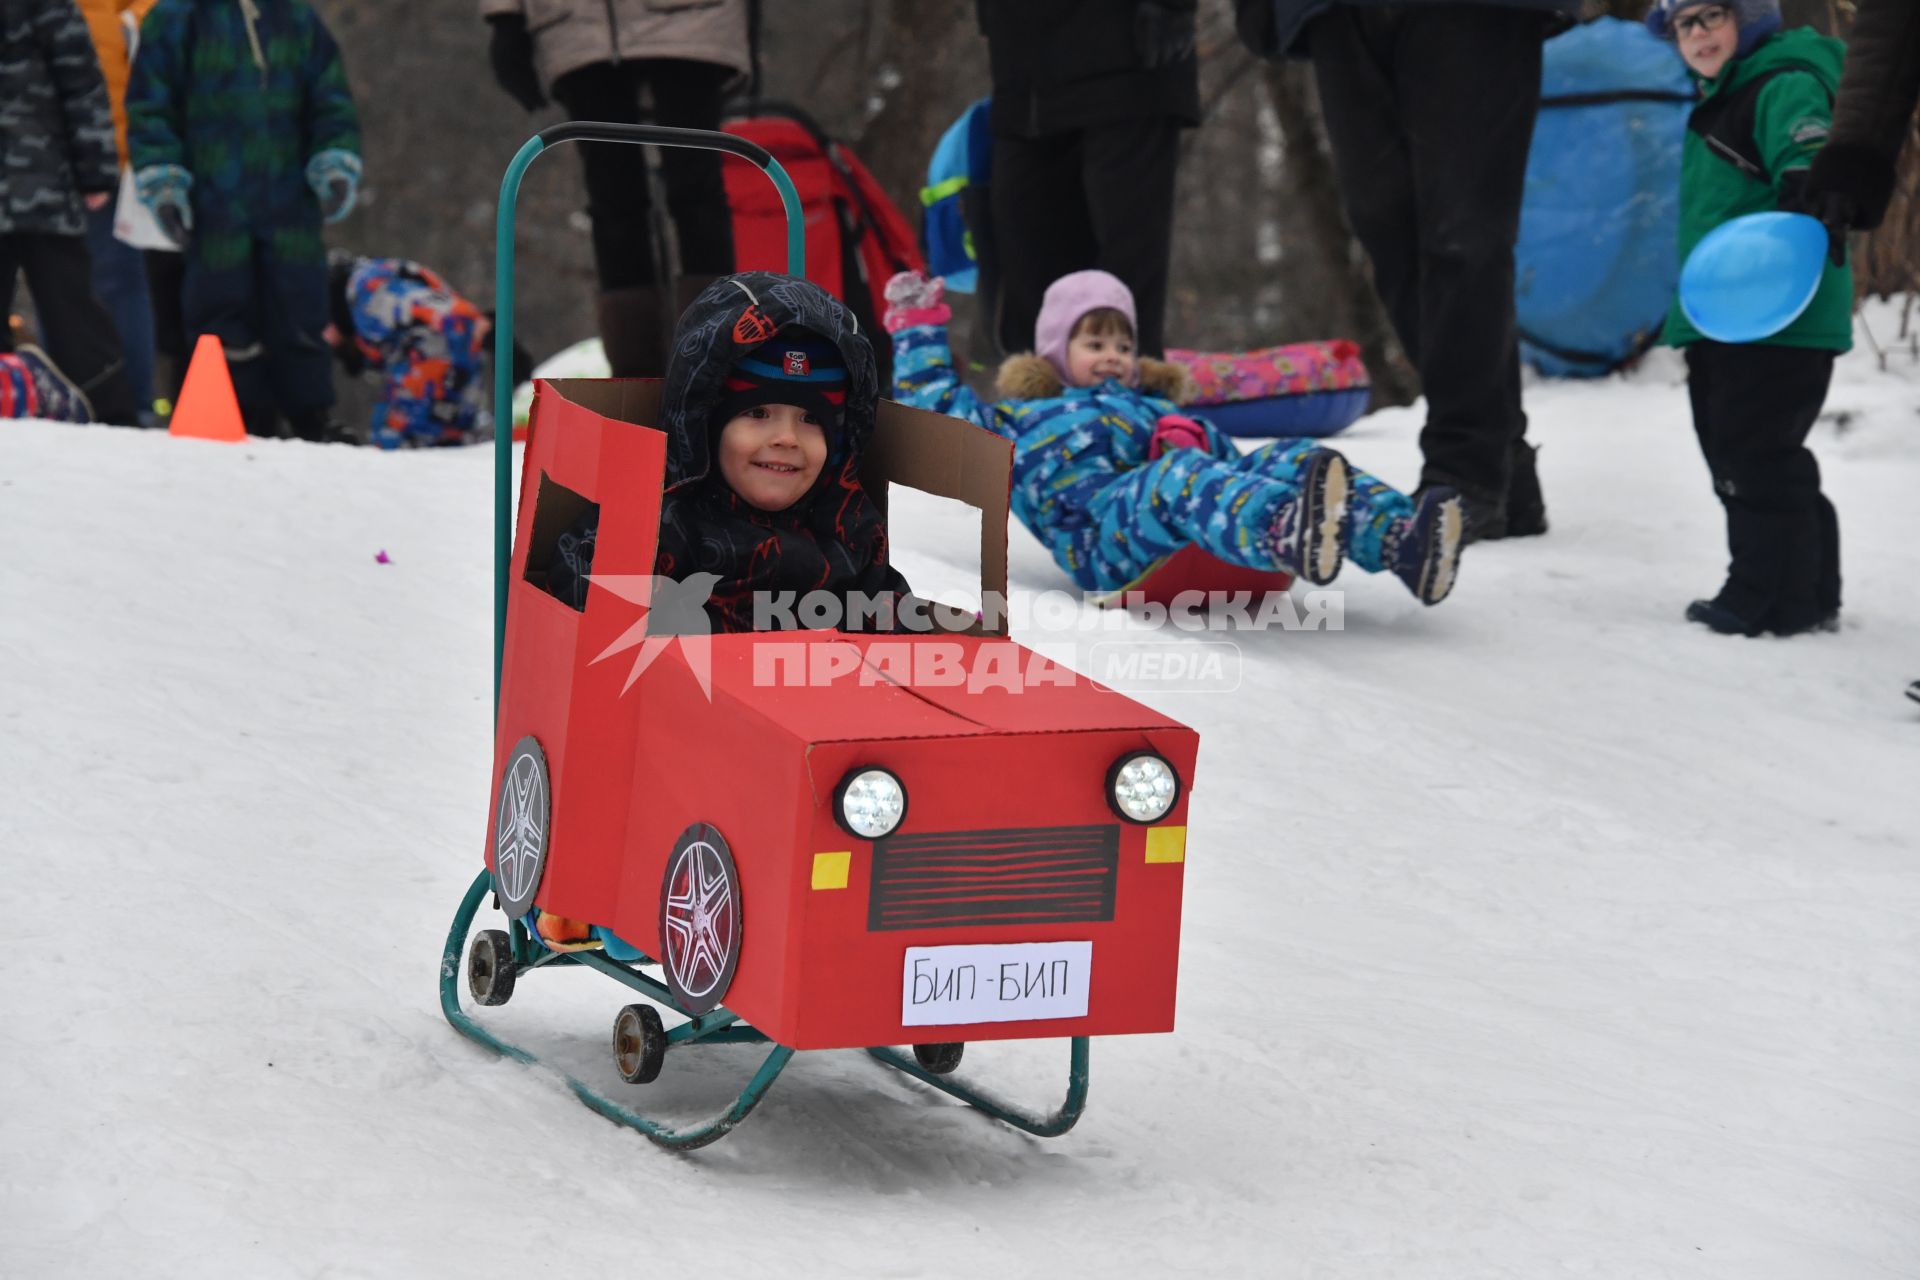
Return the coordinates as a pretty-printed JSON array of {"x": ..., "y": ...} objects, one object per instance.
[
  {"x": 1752, "y": 409},
  {"x": 1432, "y": 167},
  {"x": 1094, "y": 198},
  {"x": 76, "y": 327},
  {"x": 636, "y": 318}
]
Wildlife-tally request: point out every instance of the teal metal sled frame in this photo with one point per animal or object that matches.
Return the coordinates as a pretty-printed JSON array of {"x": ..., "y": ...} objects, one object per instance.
[
  {"x": 717, "y": 1026},
  {"x": 516, "y": 952}
]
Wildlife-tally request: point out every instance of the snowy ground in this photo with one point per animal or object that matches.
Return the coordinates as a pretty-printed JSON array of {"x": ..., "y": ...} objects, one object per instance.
[{"x": 1537, "y": 934}]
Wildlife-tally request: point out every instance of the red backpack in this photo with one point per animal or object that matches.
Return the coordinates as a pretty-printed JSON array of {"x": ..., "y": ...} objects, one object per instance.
[{"x": 856, "y": 237}]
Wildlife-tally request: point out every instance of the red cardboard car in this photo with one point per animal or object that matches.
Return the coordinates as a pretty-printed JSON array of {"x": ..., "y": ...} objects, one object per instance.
[
  {"x": 843, "y": 840},
  {"x": 822, "y": 839}
]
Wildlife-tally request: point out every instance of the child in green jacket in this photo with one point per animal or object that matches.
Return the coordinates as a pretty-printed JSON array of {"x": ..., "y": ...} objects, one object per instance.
[
  {"x": 1765, "y": 108},
  {"x": 244, "y": 141}
]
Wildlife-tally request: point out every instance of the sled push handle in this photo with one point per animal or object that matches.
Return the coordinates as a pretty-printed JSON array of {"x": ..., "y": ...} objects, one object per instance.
[{"x": 582, "y": 131}]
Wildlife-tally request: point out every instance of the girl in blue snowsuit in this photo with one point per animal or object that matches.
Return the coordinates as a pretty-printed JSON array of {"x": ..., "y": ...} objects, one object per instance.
[{"x": 1112, "y": 477}]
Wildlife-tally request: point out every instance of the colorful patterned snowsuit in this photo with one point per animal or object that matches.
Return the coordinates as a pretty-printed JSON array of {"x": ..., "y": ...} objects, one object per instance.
[
  {"x": 32, "y": 386},
  {"x": 246, "y": 136},
  {"x": 1084, "y": 486},
  {"x": 411, "y": 326},
  {"x": 19, "y": 398}
]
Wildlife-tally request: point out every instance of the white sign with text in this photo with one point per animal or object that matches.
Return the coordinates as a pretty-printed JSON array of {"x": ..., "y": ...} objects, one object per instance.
[{"x": 995, "y": 982}]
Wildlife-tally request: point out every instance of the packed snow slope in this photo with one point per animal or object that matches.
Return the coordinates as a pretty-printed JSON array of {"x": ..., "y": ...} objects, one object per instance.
[{"x": 1537, "y": 934}]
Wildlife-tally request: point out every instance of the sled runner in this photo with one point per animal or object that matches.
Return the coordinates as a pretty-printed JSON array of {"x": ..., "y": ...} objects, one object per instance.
[{"x": 802, "y": 839}]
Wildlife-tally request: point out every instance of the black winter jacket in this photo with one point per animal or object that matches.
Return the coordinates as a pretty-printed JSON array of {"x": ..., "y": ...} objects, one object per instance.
[
  {"x": 1063, "y": 65},
  {"x": 1275, "y": 28},
  {"x": 56, "y": 130},
  {"x": 1882, "y": 80}
]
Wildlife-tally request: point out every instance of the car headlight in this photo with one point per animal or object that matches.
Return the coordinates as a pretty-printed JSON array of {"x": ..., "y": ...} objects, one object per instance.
[
  {"x": 1142, "y": 787},
  {"x": 870, "y": 803}
]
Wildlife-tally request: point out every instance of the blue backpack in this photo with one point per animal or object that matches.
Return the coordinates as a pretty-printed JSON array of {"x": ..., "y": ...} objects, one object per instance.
[
  {"x": 1597, "y": 262},
  {"x": 956, "y": 185}
]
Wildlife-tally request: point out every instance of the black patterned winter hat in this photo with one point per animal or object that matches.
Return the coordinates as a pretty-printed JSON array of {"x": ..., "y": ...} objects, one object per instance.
[{"x": 795, "y": 366}]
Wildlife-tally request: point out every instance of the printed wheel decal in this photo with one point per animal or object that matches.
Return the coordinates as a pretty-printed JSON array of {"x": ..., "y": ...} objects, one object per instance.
[
  {"x": 520, "y": 827},
  {"x": 700, "y": 918}
]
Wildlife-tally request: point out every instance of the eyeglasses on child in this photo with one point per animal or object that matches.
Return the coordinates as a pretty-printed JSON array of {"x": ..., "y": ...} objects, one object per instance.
[{"x": 1710, "y": 17}]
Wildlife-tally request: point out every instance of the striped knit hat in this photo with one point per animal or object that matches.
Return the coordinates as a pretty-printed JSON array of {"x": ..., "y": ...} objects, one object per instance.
[
  {"x": 795, "y": 366},
  {"x": 1755, "y": 20}
]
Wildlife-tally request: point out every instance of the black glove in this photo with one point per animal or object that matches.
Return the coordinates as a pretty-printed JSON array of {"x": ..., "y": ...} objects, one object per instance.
[
  {"x": 1862, "y": 175},
  {"x": 1162, "y": 33},
  {"x": 511, "y": 54},
  {"x": 350, "y": 356},
  {"x": 1834, "y": 209},
  {"x": 173, "y": 224}
]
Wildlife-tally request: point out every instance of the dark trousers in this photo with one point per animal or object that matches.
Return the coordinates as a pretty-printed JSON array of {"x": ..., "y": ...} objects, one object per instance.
[
  {"x": 686, "y": 95},
  {"x": 1094, "y": 198},
  {"x": 75, "y": 326},
  {"x": 1430, "y": 111},
  {"x": 166, "y": 280},
  {"x": 120, "y": 282},
  {"x": 270, "y": 314},
  {"x": 1752, "y": 409}
]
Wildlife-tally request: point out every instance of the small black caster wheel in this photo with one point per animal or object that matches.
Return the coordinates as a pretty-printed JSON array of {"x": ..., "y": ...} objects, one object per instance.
[
  {"x": 639, "y": 1043},
  {"x": 941, "y": 1059},
  {"x": 490, "y": 967}
]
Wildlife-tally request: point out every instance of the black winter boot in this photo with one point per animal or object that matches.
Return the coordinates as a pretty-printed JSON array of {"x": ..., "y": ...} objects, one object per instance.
[
  {"x": 1526, "y": 509},
  {"x": 319, "y": 426},
  {"x": 1718, "y": 615},
  {"x": 1744, "y": 605},
  {"x": 261, "y": 420}
]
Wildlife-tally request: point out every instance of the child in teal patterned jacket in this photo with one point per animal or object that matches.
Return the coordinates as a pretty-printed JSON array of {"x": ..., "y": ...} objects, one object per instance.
[{"x": 243, "y": 140}]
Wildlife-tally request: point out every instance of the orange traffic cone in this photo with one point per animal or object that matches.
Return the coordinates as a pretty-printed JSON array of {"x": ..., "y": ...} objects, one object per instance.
[{"x": 207, "y": 408}]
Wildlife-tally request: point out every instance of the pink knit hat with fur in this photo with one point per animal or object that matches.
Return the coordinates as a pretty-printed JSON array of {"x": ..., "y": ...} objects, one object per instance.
[{"x": 1069, "y": 298}]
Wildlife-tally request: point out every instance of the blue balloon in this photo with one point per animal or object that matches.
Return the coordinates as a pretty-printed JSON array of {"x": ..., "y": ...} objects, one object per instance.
[{"x": 1752, "y": 277}]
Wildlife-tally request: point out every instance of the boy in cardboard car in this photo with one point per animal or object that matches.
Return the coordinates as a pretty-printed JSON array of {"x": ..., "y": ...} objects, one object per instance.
[{"x": 765, "y": 431}]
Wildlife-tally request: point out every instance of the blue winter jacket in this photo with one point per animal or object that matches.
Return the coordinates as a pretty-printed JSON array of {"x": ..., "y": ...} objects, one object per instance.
[{"x": 1069, "y": 443}]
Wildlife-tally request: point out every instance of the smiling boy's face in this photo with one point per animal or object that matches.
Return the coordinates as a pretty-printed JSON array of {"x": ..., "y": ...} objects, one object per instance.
[
  {"x": 1707, "y": 36},
  {"x": 772, "y": 453}
]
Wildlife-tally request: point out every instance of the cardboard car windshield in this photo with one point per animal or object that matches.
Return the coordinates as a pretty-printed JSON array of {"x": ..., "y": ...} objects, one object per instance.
[{"x": 846, "y": 839}]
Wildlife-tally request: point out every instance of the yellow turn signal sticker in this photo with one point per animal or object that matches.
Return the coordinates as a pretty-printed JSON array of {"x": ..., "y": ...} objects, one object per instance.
[
  {"x": 1164, "y": 844},
  {"x": 830, "y": 869}
]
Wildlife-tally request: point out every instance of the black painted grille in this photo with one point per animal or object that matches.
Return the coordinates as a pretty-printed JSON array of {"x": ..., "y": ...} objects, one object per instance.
[{"x": 1028, "y": 875}]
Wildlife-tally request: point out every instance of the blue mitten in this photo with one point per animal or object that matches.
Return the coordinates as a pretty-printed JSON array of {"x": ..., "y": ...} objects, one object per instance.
[
  {"x": 164, "y": 189},
  {"x": 334, "y": 176}
]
